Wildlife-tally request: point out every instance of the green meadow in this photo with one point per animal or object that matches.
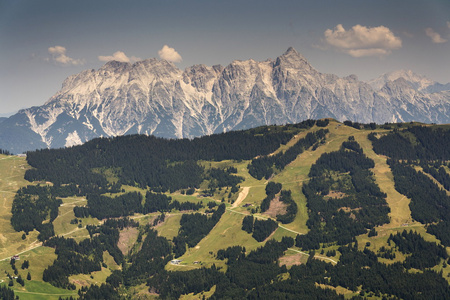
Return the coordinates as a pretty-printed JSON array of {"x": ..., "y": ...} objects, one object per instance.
[{"x": 227, "y": 232}]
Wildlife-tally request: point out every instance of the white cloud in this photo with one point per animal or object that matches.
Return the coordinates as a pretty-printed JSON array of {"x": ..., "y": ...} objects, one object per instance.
[
  {"x": 58, "y": 56},
  {"x": 435, "y": 37},
  {"x": 362, "y": 41},
  {"x": 57, "y": 50},
  {"x": 169, "y": 54},
  {"x": 119, "y": 56},
  {"x": 448, "y": 24}
]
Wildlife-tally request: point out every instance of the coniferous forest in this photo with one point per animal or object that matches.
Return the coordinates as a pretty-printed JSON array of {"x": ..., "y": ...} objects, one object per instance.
[
  {"x": 419, "y": 161},
  {"x": 173, "y": 201}
]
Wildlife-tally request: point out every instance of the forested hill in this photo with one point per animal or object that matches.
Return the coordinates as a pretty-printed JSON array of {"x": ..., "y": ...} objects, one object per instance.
[
  {"x": 155, "y": 162},
  {"x": 315, "y": 210}
]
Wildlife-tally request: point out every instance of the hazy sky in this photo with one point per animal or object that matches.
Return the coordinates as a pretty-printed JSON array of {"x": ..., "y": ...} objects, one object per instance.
[{"x": 43, "y": 42}]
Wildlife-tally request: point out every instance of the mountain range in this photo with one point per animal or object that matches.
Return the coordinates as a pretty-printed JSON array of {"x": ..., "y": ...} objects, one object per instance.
[{"x": 154, "y": 97}]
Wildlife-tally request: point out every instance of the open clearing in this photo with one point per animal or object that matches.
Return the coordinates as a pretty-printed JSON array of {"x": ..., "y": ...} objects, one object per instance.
[
  {"x": 276, "y": 208},
  {"x": 127, "y": 238}
]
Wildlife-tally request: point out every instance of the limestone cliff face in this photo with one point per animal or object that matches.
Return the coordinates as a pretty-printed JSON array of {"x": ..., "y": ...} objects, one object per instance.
[{"x": 155, "y": 97}]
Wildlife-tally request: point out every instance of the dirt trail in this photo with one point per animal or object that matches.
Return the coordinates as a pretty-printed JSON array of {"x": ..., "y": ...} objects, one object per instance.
[{"x": 241, "y": 197}]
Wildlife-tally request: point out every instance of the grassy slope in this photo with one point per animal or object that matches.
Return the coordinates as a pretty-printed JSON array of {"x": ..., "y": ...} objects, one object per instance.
[
  {"x": 12, "y": 170},
  {"x": 228, "y": 230},
  {"x": 296, "y": 173},
  {"x": 228, "y": 233},
  {"x": 399, "y": 204},
  {"x": 400, "y": 215}
]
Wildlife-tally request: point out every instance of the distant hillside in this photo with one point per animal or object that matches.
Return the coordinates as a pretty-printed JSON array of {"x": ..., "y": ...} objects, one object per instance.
[{"x": 319, "y": 209}]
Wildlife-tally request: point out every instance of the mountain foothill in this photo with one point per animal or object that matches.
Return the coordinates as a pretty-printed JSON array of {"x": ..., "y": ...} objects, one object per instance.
[{"x": 315, "y": 210}]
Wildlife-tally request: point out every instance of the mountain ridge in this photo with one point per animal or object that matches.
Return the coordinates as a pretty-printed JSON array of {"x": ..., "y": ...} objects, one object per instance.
[{"x": 154, "y": 97}]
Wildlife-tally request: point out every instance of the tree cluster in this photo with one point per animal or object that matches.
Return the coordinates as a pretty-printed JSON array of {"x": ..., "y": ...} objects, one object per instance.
[
  {"x": 6, "y": 293},
  {"x": 428, "y": 203},
  {"x": 86, "y": 256},
  {"x": 221, "y": 178},
  {"x": 361, "y": 269},
  {"x": 247, "y": 224},
  {"x": 31, "y": 207},
  {"x": 423, "y": 254},
  {"x": 4, "y": 152},
  {"x": 291, "y": 209},
  {"x": 440, "y": 174},
  {"x": 414, "y": 143},
  {"x": 155, "y": 253},
  {"x": 148, "y": 161},
  {"x": 102, "y": 207},
  {"x": 260, "y": 229},
  {"x": 428, "y": 147},
  {"x": 193, "y": 228},
  {"x": 264, "y": 166},
  {"x": 95, "y": 292},
  {"x": 358, "y": 125},
  {"x": 359, "y": 204},
  {"x": 272, "y": 188}
]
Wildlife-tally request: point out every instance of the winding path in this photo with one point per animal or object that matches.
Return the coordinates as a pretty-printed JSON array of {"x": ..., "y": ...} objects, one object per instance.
[
  {"x": 318, "y": 256},
  {"x": 243, "y": 194}
]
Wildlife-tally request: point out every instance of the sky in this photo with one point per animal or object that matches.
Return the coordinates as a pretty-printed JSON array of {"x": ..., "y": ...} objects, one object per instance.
[{"x": 43, "y": 42}]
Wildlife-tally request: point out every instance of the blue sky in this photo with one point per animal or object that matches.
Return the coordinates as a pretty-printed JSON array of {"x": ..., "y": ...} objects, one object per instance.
[{"x": 43, "y": 42}]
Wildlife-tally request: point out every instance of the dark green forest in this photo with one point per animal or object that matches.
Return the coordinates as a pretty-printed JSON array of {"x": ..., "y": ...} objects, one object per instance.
[
  {"x": 427, "y": 148},
  {"x": 343, "y": 203},
  {"x": 148, "y": 161},
  {"x": 343, "y": 199}
]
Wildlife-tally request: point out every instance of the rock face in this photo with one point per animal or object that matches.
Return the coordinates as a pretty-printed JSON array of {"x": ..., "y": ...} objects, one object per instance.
[{"x": 155, "y": 97}]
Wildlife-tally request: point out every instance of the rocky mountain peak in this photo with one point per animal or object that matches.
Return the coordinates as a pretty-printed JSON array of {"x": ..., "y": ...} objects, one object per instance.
[
  {"x": 155, "y": 97},
  {"x": 291, "y": 59},
  {"x": 116, "y": 66},
  {"x": 291, "y": 52},
  {"x": 418, "y": 82}
]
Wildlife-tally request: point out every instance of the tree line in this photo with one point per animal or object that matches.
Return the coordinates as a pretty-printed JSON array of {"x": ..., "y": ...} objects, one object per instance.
[
  {"x": 414, "y": 143},
  {"x": 148, "y": 161}
]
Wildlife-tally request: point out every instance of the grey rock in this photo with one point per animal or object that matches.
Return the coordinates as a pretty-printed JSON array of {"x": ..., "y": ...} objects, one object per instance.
[{"x": 155, "y": 97}]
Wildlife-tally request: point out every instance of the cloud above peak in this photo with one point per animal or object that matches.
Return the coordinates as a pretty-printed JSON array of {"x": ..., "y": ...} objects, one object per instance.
[
  {"x": 360, "y": 41},
  {"x": 118, "y": 56},
  {"x": 169, "y": 54},
  {"x": 435, "y": 37},
  {"x": 58, "y": 56}
]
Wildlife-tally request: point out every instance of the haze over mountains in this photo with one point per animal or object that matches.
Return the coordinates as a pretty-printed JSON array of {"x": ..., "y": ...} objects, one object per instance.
[{"x": 155, "y": 97}]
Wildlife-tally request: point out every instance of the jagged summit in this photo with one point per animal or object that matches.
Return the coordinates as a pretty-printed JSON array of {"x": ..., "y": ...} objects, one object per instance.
[
  {"x": 292, "y": 59},
  {"x": 155, "y": 97},
  {"x": 419, "y": 82},
  {"x": 292, "y": 53}
]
